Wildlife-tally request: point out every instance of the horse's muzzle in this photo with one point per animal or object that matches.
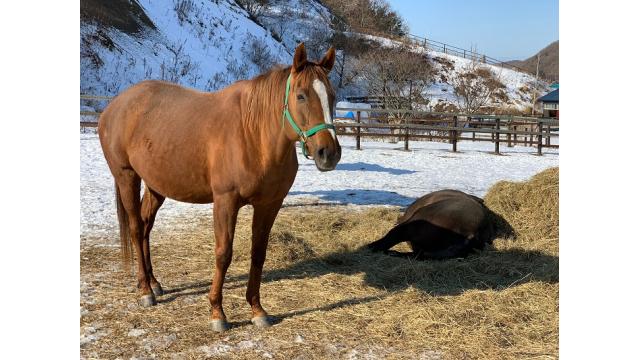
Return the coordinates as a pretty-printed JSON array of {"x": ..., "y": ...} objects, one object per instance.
[{"x": 327, "y": 157}]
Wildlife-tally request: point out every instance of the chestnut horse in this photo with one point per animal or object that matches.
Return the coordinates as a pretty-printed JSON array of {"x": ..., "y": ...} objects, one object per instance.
[{"x": 232, "y": 147}]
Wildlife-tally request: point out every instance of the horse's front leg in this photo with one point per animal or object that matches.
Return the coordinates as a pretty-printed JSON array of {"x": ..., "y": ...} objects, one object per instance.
[
  {"x": 224, "y": 223},
  {"x": 263, "y": 218}
]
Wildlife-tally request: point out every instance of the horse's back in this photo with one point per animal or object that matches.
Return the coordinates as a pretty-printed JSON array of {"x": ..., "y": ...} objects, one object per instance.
[
  {"x": 453, "y": 198},
  {"x": 450, "y": 209},
  {"x": 160, "y": 131},
  {"x": 141, "y": 101}
]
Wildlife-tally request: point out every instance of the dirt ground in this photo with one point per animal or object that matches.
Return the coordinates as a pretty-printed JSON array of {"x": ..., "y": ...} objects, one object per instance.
[{"x": 329, "y": 298}]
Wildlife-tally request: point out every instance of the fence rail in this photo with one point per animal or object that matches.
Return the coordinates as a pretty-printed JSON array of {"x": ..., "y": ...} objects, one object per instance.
[
  {"x": 460, "y": 52},
  {"x": 413, "y": 125}
]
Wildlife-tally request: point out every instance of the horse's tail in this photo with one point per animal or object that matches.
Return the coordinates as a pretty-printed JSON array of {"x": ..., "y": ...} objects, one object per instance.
[{"x": 125, "y": 235}]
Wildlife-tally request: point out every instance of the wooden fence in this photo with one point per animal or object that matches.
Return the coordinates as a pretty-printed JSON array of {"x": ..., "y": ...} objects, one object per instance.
[
  {"x": 411, "y": 125},
  {"x": 414, "y": 125}
]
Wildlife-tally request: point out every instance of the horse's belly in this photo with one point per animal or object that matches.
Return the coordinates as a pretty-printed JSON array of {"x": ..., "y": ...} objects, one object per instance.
[{"x": 170, "y": 179}]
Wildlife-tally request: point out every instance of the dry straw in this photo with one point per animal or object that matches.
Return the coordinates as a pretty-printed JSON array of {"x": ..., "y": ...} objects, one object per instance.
[{"x": 334, "y": 300}]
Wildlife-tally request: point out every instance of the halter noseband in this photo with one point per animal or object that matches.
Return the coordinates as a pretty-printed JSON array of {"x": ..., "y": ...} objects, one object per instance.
[{"x": 304, "y": 135}]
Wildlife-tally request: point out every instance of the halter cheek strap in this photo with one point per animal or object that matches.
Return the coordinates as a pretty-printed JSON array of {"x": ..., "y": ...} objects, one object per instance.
[{"x": 304, "y": 135}]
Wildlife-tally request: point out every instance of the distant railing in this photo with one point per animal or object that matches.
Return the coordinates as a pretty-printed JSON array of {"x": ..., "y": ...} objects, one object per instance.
[
  {"x": 445, "y": 48},
  {"x": 416, "y": 125},
  {"x": 459, "y": 52}
]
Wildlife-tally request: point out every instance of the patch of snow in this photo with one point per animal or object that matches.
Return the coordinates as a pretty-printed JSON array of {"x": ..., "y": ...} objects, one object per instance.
[
  {"x": 89, "y": 334},
  {"x": 136, "y": 332},
  {"x": 380, "y": 174},
  {"x": 246, "y": 344},
  {"x": 298, "y": 339},
  {"x": 430, "y": 355},
  {"x": 215, "y": 349},
  {"x": 159, "y": 343}
]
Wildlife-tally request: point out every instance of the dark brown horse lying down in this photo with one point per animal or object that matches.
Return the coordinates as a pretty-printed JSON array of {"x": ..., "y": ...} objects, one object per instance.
[
  {"x": 232, "y": 147},
  {"x": 442, "y": 224}
]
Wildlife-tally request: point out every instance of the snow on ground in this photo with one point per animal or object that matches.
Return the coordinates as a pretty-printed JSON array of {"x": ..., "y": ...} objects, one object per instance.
[{"x": 380, "y": 174}]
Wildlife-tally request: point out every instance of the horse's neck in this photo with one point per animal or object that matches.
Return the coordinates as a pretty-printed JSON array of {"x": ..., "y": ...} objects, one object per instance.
[{"x": 268, "y": 131}]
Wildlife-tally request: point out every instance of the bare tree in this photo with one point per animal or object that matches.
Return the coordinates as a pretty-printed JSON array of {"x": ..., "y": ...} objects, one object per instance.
[
  {"x": 369, "y": 15},
  {"x": 254, "y": 8},
  {"x": 476, "y": 86},
  {"x": 399, "y": 77},
  {"x": 257, "y": 51}
]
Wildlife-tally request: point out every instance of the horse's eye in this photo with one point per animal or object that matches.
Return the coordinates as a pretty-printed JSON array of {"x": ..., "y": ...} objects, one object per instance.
[{"x": 300, "y": 97}]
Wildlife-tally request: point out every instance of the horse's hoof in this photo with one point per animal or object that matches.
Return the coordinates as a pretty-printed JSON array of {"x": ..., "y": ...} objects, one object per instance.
[
  {"x": 157, "y": 289},
  {"x": 261, "y": 321},
  {"x": 219, "y": 325},
  {"x": 147, "y": 300}
]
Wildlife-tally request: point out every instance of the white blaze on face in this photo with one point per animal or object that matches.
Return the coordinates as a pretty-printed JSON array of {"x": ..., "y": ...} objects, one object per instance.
[{"x": 321, "y": 90}]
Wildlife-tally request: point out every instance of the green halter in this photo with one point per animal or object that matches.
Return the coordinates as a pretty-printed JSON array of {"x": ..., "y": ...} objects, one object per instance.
[{"x": 304, "y": 135}]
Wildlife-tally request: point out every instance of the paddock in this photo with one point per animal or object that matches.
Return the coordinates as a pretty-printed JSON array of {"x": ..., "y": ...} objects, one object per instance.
[{"x": 331, "y": 299}]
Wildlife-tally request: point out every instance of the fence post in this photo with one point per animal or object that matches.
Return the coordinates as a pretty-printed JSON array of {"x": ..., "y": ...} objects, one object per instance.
[
  {"x": 548, "y": 139},
  {"x": 531, "y": 137},
  {"x": 497, "y": 138},
  {"x": 509, "y": 127},
  {"x": 453, "y": 134},
  {"x": 406, "y": 133},
  {"x": 471, "y": 126},
  {"x": 540, "y": 138},
  {"x": 444, "y": 48},
  {"x": 358, "y": 131}
]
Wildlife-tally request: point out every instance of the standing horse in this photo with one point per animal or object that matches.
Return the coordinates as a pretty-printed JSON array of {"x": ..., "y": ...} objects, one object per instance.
[{"x": 232, "y": 147}]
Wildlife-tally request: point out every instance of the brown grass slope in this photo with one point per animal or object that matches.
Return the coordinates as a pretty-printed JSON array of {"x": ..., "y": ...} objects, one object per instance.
[
  {"x": 334, "y": 300},
  {"x": 125, "y": 15},
  {"x": 549, "y": 62}
]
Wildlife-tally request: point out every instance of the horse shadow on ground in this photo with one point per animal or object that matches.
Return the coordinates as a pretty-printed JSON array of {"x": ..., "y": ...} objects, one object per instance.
[
  {"x": 489, "y": 269},
  {"x": 359, "y": 197},
  {"x": 361, "y": 166}
]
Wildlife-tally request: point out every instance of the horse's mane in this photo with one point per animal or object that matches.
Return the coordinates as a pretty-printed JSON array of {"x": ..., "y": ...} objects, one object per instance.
[
  {"x": 265, "y": 100},
  {"x": 265, "y": 97}
]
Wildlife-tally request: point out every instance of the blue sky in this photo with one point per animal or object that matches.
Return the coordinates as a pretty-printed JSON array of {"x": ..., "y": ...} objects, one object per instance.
[{"x": 502, "y": 29}]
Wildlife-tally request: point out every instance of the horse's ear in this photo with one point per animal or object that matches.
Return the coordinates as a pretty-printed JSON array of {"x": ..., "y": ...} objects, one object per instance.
[
  {"x": 329, "y": 59},
  {"x": 299, "y": 58}
]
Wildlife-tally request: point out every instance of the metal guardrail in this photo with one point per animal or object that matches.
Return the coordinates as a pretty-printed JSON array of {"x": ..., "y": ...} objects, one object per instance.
[
  {"x": 460, "y": 52},
  {"x": 411, "y": 39}
]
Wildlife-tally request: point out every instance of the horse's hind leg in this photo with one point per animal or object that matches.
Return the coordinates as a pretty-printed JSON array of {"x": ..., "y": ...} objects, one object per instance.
[
  {"x": 151, "y": 202},
  {"x": 394, "y": 237},
  {"x": 128, "y": 183}
]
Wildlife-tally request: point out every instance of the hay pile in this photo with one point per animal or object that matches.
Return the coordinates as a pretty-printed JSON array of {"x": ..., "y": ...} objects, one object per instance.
[
  {"x": 332, "y": 299},
  {"x": 531, "y": 207}
]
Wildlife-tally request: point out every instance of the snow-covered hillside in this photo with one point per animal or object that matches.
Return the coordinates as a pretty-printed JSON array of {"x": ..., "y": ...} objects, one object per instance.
[
  {"x": 198, "y": 43},
  {"x": 517, "y": 85},
  {"x": 208, "y": 44}
]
